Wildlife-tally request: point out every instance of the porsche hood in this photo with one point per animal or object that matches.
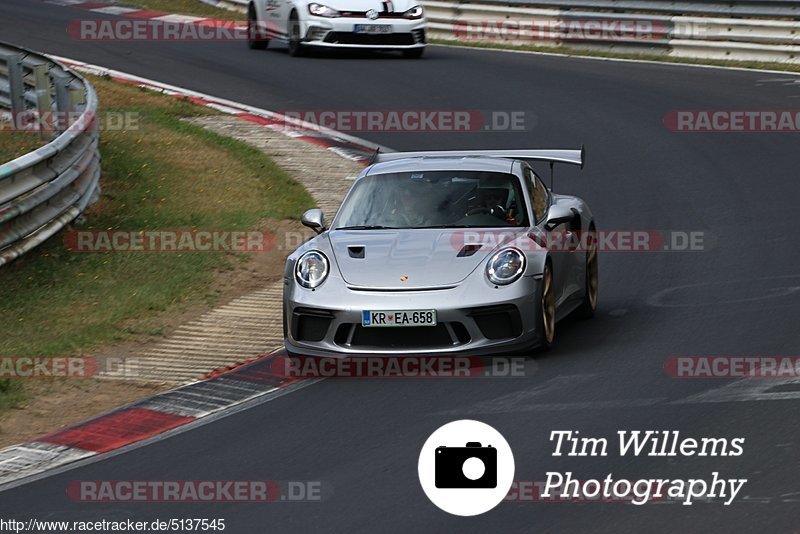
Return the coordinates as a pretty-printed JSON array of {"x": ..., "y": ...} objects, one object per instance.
[{"x": 404, "y": 259}]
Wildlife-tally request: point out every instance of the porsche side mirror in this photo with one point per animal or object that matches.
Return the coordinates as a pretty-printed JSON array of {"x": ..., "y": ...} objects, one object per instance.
[
  {"x": 314, "y": 219},
  {"x": 558, "y": 215}
]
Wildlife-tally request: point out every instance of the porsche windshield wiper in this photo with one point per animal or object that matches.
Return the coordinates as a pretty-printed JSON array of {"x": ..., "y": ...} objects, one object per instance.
[{"x": 367, "y": 227}]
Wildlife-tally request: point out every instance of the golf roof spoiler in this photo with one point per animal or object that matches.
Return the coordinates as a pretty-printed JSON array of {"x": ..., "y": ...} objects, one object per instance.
[{"x": 571, "y": 157}]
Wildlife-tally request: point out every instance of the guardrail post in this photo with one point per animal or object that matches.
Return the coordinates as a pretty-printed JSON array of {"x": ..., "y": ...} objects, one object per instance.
[
  {"x": 44, "y": 102},
  {"x": 62, "y": 82},
  {"x": 77, "y": 97},
  {"x": 16, "y": 84}
]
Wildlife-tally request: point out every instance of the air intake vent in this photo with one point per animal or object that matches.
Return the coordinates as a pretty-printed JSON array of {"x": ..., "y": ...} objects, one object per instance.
[
  {"x": 469, "y": 250},
  {"x": 356, "y": 252}
]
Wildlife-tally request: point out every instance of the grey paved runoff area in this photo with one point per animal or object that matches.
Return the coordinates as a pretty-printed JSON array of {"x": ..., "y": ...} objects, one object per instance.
[{"x": 251, "y": 325}]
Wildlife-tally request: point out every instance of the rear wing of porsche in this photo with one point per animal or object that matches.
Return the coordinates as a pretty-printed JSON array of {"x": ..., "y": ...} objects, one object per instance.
[{"x": 572, "y": 157}]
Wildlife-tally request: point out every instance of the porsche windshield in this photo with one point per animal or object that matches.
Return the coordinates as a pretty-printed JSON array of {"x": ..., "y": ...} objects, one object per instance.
[{"x": 434, "y": 199}]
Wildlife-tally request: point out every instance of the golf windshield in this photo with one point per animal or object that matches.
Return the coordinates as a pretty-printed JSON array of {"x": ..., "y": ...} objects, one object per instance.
[{"x": 434, "y": 199}]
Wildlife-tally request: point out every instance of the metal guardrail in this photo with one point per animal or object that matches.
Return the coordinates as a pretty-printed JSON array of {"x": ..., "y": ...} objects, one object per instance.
[
  {"x": 44, "y": 190},
  {"x": 706, "y": 37},
  {"x": 789, "y": 9},
  {"x": 710, "y": 8}
]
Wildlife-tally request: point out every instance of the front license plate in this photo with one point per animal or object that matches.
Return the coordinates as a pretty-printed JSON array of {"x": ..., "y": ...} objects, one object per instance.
[
  {"x": 375, "y": 318},
  {"x": 372, "y": 28}
]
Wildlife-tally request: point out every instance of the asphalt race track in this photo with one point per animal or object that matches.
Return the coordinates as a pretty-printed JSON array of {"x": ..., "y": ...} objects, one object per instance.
[{"x": 362, "y": 437}]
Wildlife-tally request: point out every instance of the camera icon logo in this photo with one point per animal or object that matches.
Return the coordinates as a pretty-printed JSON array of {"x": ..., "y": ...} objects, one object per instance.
[
  {"x": 466, "y": 467},
  {"x": 472, "y": 466}
]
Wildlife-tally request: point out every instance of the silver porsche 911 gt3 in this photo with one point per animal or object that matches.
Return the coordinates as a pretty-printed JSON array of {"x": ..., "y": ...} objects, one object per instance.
[{"x": 443, "y": 252}]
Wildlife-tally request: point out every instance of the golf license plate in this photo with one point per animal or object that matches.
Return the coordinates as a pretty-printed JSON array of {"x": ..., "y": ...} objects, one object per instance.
[
  {"x": 377, "y": 318},
  {"x": 373, "y": 28}
]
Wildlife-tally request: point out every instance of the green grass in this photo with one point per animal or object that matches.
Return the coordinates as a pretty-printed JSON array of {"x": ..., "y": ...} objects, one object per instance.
[
  {"x": 167, "y": 174},
  {"x": 187, "y": 7},
  {"x": 15, "y": 144},
  {"x": 10, "y": 393},
  {"x": 582, "y": 52}
]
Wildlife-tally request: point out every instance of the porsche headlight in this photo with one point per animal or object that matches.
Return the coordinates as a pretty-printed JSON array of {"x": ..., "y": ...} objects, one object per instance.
[
  {"x": 505, "y": 266},
  {"x": 414, "y": 13},
  {"x": 311, "y": 269},
  {"x": 322, "y": 10}
]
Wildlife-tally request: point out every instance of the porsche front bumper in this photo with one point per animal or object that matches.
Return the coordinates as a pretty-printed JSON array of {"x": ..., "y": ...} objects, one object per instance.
[{"x": 473, "y": 318}]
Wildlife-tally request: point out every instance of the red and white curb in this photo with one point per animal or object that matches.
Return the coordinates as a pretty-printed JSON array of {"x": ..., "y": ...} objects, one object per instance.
[{"x": 145, "y": 419}]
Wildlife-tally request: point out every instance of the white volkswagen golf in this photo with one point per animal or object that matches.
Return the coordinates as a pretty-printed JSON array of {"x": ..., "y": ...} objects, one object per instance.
[{"x": 374, "y": 24}]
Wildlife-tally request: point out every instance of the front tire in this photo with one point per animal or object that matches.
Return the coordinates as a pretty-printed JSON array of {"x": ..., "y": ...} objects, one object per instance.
[
  {"x": 296, "y": 48},
  {"x": 255, "y": 39}
]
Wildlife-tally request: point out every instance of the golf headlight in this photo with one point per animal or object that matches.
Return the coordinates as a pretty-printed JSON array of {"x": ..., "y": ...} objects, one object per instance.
[
  {"x": 414, "y": 13},
  {"x": 311, "y": 269},
  {"x": 322, "y": 10},
  {"x": 505, "y": 266}
]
